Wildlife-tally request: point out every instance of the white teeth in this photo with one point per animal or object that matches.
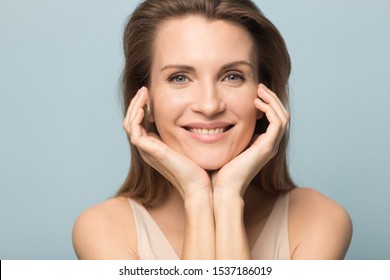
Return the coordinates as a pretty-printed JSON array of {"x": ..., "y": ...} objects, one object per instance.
[{"x": 207, "y": 131}]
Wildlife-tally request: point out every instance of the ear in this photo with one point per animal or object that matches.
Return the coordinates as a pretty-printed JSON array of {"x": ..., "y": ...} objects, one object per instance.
[{"x": 149, "y": 111}]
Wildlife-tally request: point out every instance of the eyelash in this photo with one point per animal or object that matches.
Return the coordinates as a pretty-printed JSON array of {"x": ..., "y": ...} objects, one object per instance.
[
  {"x": 236, "y": 75},
  {"x": 172, "y": 78}
]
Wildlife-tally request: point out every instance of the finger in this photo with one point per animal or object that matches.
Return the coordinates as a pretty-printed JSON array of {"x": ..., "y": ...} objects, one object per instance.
[
  {"x": 272, "y": 100},
  {"x": 270, "y": 97},
  {"x": 139, "y": 137},
  {"x": 264, "y": 87},
  {"x": 134, "y": 99},
  {"x": 129, "y": 111},
  {"x": 276, "y": 127},
  {"x": 135, "y": 127},
  {"x": 273, "y": 95},
  {"x": 138, "y": 102}
]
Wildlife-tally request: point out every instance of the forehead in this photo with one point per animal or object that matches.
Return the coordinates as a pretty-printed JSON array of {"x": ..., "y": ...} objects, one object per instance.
[{"x": 192, "y": 40}]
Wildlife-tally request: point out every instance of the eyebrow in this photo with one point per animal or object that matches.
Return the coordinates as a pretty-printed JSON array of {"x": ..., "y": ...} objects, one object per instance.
[{"x": 188, "y": 68}]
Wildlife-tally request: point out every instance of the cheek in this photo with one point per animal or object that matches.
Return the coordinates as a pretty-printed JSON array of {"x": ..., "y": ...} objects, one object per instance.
[
  {"x": 167, "y": 105},
  {"x": 167, "y": 108},
  {"x": 243, "y": 106}
]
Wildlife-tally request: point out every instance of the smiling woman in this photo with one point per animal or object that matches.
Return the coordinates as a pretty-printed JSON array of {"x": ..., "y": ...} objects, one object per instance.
[
  {"x": 205, "y": 72},
  {"x": 205, "y": 97}
]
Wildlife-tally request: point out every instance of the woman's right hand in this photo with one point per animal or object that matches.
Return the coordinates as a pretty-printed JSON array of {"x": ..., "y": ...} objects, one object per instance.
[{"x": 185, "y": 175}]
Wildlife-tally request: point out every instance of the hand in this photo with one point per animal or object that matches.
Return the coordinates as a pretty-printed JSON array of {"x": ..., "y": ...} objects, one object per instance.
[
  {"x": 186, "y": 176},
  {"x": 236, "y": 175}
]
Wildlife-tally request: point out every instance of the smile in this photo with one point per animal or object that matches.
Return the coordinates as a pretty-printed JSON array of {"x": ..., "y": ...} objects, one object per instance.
[{"x": 208, "y": 131}]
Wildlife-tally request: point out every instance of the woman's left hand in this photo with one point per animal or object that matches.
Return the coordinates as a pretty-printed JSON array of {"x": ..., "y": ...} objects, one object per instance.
[{"x": 236, "y": 175}]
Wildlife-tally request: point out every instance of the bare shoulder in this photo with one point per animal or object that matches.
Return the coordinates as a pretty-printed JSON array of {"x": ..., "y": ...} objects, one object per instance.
[
  {"x": 106, "y": 231},
  {"x": 319, "y": 228}
]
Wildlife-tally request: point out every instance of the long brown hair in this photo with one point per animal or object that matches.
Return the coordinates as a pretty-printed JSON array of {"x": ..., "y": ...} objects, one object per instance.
[{"x": 145, "y": 184}]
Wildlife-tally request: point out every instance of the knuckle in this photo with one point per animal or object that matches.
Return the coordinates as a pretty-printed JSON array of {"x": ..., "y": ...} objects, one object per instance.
[
  {"x": 127, "y": 130},
  {"x": 133, "y": 140},
  {"x": 279, "y": 125}
]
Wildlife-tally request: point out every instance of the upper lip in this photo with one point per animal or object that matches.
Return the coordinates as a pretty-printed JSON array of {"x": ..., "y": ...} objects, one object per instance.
[{"x": 213, "y": 125}]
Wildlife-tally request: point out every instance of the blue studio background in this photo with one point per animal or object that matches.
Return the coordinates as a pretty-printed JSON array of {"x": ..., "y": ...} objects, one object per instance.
[{"x": 62, "y": 147}]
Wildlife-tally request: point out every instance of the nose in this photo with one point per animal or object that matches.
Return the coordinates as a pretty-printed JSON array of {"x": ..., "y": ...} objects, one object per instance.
[{"x": 209, "y": 101}]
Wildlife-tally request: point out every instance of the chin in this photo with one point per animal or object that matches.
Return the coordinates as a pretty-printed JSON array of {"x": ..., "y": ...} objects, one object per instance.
[
  {"x": 210, "y": 165},
  {"x": 214, "y": 160}
]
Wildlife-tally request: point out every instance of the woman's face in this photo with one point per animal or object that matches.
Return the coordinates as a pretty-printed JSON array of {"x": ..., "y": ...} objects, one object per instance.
[{"x": 203, "y": 87}]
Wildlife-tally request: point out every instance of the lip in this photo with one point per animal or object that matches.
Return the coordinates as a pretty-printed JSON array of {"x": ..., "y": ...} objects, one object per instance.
[{"x": 208, "y": 132}]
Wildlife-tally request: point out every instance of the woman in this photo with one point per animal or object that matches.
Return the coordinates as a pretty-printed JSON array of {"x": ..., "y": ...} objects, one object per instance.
[{"x": 205, "y": 90}]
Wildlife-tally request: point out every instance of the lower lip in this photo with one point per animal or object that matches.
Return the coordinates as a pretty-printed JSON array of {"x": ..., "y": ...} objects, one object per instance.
[{"x": 208, "y": 138}]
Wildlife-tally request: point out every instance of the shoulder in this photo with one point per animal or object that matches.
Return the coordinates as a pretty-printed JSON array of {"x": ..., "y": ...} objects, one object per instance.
[
  {"x": 106, "y": 231},
  {"x": 319, "y": 228}
]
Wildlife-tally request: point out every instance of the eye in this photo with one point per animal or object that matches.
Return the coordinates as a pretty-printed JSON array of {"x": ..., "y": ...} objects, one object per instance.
[
  {"x": 178, "y": 79},
  {"x": 234, "y": 77}
]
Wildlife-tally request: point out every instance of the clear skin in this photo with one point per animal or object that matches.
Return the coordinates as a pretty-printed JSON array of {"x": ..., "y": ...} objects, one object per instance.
[
  {"x": 203, "y": 82},
  {"x": 212, "y": 211},
  {"x": 205, "y": 95}
]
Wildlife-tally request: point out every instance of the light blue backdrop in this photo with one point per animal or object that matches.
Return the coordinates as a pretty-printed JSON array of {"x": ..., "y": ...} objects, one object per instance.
[{"x": 62, "y": 147}]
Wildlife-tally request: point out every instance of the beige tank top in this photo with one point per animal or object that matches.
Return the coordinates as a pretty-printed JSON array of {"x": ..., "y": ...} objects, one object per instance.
[{"x": 271, "y": 244}]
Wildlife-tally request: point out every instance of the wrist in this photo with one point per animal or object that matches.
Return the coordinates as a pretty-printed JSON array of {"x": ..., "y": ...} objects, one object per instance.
[
  {"x": 227, "y": 201},
  {"x": 197, "y": 200},
  {"x": 227, "y": 193}
]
